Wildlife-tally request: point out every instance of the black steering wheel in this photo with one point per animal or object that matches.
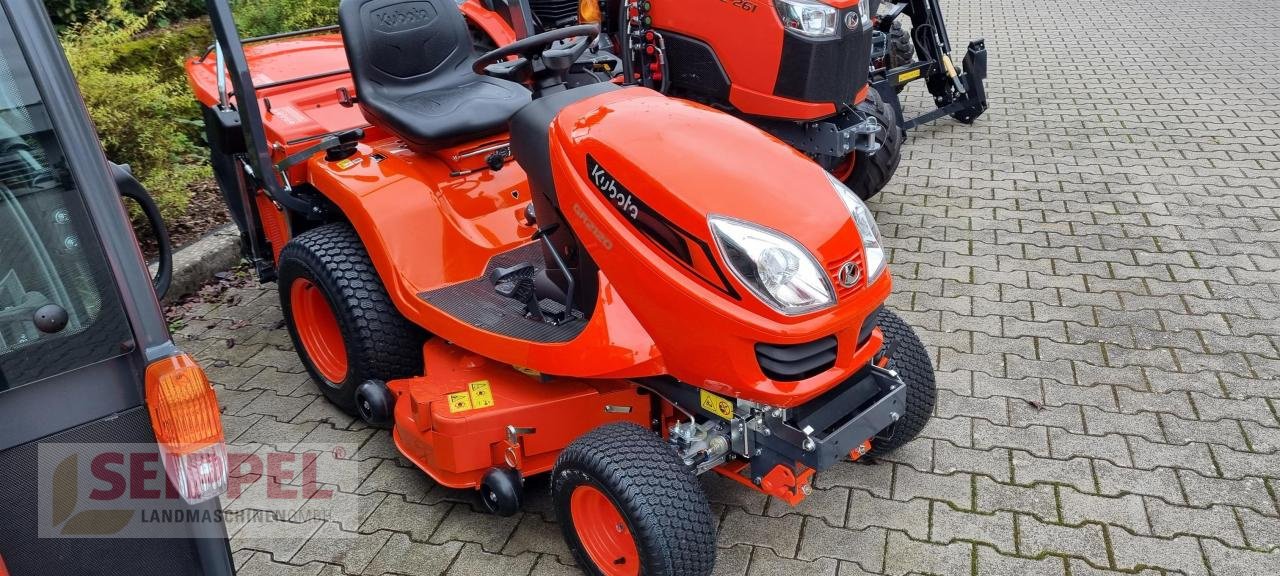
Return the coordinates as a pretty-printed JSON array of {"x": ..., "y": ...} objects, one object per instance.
[{"x": 558, "y": 59}]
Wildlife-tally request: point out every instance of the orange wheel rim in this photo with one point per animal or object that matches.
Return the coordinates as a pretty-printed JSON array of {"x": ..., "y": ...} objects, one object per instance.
[
  {"x": 604, "y": 534},
  {"x": 844, "y": 170},
  {"x": 318, "y": 330}
]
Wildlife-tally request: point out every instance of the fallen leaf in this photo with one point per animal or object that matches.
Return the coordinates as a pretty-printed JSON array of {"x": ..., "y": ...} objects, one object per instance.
[{"x": 1034, "y": 404}]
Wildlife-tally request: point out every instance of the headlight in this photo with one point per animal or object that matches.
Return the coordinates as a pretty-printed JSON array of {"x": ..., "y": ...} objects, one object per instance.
[
  {"x": 872, "y": 245},
  {"x": 864, "y": 13},
  {"x": 774, "y": 267},
  {"x": 807, "y": 17}
]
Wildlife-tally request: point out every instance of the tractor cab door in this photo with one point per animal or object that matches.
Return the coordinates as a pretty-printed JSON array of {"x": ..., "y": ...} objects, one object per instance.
[{"x": 79, "y": 327}]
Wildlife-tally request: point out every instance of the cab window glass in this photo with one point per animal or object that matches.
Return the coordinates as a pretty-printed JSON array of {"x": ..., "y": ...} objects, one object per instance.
[{"x": 59, "y": 309}]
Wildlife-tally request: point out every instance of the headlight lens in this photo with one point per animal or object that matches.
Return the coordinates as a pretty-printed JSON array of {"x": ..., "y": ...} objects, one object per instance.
[
  {"x": 872, "y": 244},
  {"x": 774, "y": 267},
  {"x": 807, "y": 17}
]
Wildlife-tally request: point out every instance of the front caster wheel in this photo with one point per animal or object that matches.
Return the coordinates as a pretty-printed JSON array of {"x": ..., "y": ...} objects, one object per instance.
[
  {"x": 502, "y": 491},
  {"x": 628, "y": 506},
  {"x": 911, "y": 361},
  {"x": 375, "y": 404}
]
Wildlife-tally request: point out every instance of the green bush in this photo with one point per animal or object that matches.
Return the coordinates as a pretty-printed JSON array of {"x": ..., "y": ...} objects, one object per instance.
[
  {"x": 70, "y": 12},
  {"x": 143, "y": 118},
  {"x": 261, "y": 17},
  {"x": 128, "y": 58}
]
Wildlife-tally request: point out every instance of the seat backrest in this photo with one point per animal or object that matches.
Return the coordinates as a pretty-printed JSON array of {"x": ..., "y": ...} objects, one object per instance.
[{"x": 395, "y": 46}]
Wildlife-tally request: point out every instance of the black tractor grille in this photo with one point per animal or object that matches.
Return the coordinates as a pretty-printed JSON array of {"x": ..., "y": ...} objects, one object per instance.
[
  {"x": 797, "y": 362},
  {"x": 555, "y": 13}
]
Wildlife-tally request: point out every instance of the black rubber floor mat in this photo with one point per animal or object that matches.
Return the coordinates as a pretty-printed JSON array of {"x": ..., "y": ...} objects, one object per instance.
[{"x": 475, "y": 302}]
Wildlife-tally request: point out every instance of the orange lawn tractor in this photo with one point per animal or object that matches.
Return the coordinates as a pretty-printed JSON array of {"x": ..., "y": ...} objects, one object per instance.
[
  {"x": 799, "y": 69},
  {"x": 520, "y": 277}
]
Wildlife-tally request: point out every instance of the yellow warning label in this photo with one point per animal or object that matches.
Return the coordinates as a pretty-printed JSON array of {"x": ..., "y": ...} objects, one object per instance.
[
  {"x": 716, "y": 405},
  {"x": 481, "y": 394},
  {"x": 459, "y": 402},
  {"x": 349, "y": 162},
  {"x": 908, "y": 76}
]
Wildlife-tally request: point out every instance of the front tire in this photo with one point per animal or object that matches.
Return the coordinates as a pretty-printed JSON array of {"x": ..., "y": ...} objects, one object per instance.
[
  {"x": 341, "y": 319},
  {"x": 628, "y": 506},
  {"x": 911, "y": 361},
  {"x": 869, "y": 173}
]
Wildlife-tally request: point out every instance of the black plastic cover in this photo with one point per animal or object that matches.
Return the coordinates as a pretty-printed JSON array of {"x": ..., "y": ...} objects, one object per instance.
[{"x": 825, "y": 70}]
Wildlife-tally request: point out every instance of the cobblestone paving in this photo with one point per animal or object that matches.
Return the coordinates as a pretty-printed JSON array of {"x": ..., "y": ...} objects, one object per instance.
[{"x": 1095, "y": 267}]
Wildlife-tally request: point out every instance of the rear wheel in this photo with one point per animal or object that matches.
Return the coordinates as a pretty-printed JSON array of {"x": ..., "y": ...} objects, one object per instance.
[
  {"x": 911, "y": 361},
  {"x": 867, "y": 174},
  {"x": 628, "y": 506},
  {"x": 341, "y": 320}
]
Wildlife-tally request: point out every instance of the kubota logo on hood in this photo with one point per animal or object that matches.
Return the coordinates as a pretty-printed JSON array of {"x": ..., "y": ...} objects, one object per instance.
[{"x": 619, "y": 196}]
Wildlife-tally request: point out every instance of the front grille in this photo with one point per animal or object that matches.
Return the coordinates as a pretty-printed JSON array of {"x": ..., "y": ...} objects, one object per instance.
[
  {"x": 833, "y": 272},
  {"x": 790, "y": 363},
  {"x": 555, "y": 13}
]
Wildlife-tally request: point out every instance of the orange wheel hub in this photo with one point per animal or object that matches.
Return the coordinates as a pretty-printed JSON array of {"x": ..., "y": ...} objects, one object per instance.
[
  {"x": 603, "y": 532},
  {"x": 318, "y": 330}
]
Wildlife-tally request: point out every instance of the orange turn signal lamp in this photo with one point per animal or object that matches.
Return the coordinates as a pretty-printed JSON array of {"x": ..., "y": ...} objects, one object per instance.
[
  {"x": 589, "y": 12},
  {"x": 188, "y": 427}
]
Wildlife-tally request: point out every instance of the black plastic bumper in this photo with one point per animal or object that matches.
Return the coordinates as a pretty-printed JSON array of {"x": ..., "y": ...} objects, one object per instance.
[{"x": 825, "y": 431}]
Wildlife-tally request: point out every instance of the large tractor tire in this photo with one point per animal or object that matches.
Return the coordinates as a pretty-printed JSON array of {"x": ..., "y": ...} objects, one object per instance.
[
  {"x": 628, "y": 506},
  {"x": 869, "y": 173},
  {"x": 901, "y": 51},
  {"x": 911, "y": 361},
  {"x": 342, "y": 322}
]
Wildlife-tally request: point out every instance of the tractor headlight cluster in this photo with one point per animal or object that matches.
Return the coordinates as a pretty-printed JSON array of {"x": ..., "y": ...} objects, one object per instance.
[
  {"x": 808, "y": 17},
  {"x": 777, "y": 269},
  {"x": 872, "y": 244}
]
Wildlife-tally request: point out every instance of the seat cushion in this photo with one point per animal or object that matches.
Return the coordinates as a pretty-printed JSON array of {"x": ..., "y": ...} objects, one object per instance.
[
  {"x": 411, "y": 62},
  {"x": 475, "y": 107}
]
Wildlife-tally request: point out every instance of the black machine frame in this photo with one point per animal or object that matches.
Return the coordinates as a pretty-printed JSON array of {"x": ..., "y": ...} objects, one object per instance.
[{"x": 957, "y": 92}]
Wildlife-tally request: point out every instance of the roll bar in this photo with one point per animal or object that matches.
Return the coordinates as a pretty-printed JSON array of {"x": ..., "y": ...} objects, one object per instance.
[{"x": 231, "y": 58}]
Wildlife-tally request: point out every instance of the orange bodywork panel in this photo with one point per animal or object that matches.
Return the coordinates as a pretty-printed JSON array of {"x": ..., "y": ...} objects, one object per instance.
[
  {"x": 274, "y": 225},
  {"x": 748, "y": 41},
  {"x": 782, "y": 482},
  {"x": 454, "y": 422}
]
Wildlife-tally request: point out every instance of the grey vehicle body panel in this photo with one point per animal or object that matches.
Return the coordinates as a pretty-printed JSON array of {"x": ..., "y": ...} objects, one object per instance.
[{"x": 101, "y": 402}]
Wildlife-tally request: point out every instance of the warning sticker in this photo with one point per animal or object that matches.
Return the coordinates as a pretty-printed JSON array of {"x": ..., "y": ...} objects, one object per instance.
[
  {"x": 716, "y": 405},
  {"x": 481, "y": 394},
  {"x": 908, "y": 76},
  {"x": 459, "y": 402}
]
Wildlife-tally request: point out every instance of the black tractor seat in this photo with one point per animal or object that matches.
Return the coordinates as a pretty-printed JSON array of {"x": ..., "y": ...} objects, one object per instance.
[{"x": 411, "y": 62}]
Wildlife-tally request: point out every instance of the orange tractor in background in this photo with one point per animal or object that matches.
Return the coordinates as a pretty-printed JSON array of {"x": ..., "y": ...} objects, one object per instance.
[
  {"x": 520, "y": 276},
  {"x": 798, "y": 69}
]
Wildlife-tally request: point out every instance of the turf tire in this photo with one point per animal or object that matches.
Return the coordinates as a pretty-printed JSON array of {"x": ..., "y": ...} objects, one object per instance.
[
  {"x": 380, "y": 343},
  {"x": 871, "y": 172},
  {"x": 911, "y": 361},
  {"x": 660, "y": 499}
]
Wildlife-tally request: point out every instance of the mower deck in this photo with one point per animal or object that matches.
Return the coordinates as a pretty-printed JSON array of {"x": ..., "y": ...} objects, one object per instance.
[{"x": 470, "y": 414}]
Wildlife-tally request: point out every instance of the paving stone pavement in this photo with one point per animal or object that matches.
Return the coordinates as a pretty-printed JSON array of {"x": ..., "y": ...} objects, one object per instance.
[{"x": 1095, "y": 267}]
